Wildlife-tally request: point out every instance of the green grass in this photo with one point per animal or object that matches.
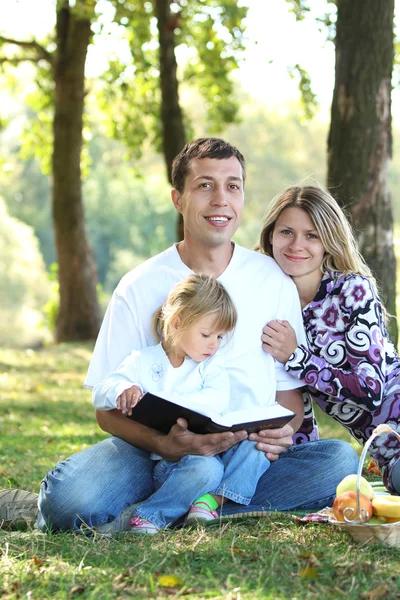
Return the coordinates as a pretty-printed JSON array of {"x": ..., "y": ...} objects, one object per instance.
[{"x": 46, "y": 415}]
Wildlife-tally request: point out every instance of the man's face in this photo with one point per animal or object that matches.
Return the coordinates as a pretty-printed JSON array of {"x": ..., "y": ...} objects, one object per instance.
[{"x": 212, "y": 200}]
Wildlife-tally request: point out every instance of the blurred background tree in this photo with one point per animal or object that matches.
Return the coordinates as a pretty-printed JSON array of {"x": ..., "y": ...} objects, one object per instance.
[
  {"x": 141, "y": 98},
  {"x": 360, "y": 135},
  {"x": 24, "y": 287},
  {"x": 128, "y": 213}
]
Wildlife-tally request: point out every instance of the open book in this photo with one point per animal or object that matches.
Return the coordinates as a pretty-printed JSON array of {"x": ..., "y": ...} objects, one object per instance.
[{"x": 161, "y": 414}]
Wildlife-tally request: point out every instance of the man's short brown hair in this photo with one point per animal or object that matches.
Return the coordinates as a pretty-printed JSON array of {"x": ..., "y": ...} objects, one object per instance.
[{"x": 202, "y": 148}]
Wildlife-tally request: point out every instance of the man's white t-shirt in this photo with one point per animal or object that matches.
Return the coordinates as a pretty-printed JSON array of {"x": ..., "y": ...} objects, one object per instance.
[{"x": 260, "y": 291}]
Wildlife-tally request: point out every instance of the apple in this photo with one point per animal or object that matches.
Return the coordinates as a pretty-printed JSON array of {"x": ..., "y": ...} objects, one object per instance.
[
  {"x": 345, "y": 504},
  {"x": 349, "y": 484}
]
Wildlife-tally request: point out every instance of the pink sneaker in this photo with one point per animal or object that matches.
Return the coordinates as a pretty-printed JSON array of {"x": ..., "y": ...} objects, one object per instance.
[
  {"x": 140, "y": 526},
  {"x": 200, "y": 513}
]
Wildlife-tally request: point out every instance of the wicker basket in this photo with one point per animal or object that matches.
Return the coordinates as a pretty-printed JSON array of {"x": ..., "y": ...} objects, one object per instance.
[{"x": 385, "y": 533}]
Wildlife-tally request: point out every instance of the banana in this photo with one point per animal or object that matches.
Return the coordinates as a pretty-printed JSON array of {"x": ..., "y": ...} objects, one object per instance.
[{"x": 386, "y": 506}]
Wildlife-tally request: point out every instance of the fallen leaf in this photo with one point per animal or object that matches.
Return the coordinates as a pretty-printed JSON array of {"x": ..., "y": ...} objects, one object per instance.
[
  {"x": 313, "y": 561},
  {"x": 77, "y": 590},
  {"x": 169, "y": 581},
  {"x": 37, "y": 561},
  {"x": 373, "y": 468},
  {"x": 379, "y": 592},
  {"x": 308, "y": 572}
]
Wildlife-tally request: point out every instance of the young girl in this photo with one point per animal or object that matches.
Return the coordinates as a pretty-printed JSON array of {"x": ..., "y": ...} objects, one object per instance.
[
  {"x": 183, "y": 368},
  {"x": 350, "y": 366}
]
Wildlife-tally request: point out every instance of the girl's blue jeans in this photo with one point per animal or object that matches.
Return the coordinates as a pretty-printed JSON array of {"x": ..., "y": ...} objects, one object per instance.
[
  {"x": 93, "y": 486},
  {"x": 233, "y": 474}
]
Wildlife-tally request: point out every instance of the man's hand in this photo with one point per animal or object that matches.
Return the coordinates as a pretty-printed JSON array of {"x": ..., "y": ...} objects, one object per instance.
[
  {"x": 180, "y": 441},
  {"x": 273, "y": 441},
  {"x": 279, "y": 340},
  {"x": 128, "y": 399}
]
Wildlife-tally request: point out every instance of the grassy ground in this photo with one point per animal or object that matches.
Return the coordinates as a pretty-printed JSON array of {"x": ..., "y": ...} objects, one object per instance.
[{"x": 45, "y": 415}]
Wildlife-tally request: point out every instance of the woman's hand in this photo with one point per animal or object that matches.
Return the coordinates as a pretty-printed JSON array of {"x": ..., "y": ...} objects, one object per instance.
[{"x": 279, "y": 340}]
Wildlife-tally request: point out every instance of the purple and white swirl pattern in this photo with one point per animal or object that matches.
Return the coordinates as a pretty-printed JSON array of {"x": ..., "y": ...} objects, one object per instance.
[{"x": 351, "y": 368}]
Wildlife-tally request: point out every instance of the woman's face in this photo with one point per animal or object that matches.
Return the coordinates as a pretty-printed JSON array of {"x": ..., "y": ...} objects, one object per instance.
[{"x": 296, "y": 245}]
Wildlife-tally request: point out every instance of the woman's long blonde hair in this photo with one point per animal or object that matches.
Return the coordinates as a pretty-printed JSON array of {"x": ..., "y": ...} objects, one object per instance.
[
  {"x": 341, "y": 249},
  {"x": 191, "y": 299}
]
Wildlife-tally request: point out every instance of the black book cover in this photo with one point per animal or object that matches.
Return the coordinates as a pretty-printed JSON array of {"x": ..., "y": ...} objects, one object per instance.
[{"x": 161, "y": 414}]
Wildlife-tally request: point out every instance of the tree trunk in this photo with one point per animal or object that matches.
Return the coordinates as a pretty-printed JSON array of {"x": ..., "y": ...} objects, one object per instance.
[
  {"x": 173, "y": 128},
  {"x": 79, "y": 314},
  {"x": 359, "y": 144}
]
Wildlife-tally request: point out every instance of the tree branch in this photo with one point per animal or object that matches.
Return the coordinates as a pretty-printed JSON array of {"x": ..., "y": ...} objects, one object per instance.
[
  {"x": 16, "y": 61},
  {"x": 41, "y": 53}
]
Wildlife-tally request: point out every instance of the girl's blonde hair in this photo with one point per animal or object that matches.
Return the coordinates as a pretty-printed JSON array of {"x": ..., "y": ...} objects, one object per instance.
[
  {"x": 341, "y": 249},
  {"x": 190, "y": 300}
]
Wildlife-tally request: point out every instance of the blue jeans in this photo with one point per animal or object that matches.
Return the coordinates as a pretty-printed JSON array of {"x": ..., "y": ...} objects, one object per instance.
[
  {"x": 95, "y": 485},
  {"x": 233, "y": 474}
]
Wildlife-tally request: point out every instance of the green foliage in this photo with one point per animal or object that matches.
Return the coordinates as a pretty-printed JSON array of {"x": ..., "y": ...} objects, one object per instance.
[
  {"x": 308, "y": 100},
  {"x": 210, "y": 32},
  {"x": 124, "y": 213},
  {"x": 216, "y": 30},
  {"x": 27, "y": 194},
  {"x": 326, "y": 23},
  {"x": 23, "y": 283},
  {"x": 50, "y": 309}
]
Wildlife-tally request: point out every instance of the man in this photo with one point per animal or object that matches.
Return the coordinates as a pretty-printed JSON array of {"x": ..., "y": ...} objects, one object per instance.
[{"x": 98, "y": 486}]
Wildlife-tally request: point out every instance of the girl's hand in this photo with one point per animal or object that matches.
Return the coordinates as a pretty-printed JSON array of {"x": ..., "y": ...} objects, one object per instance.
[
  {"x": 279, "y": 340},
  {"x": 128, "y": 399}
]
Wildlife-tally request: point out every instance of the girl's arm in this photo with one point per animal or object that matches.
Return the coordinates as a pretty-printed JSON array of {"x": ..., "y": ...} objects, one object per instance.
[
  {"x": 362, "y": 347},
  {"x": 106, "y": 393}
]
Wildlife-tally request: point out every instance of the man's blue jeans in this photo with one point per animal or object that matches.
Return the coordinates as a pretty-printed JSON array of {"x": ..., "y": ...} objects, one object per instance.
[
  {"x": 233, "y": 474},
  {"x": 95, "y": 485}
]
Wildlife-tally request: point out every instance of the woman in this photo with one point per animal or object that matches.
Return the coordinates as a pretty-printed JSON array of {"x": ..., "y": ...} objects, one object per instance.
[{"x": 350, "y": 367}]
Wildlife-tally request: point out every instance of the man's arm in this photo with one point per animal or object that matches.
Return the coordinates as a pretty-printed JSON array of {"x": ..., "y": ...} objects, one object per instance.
[
  {"x": 177, "y": 443},
  {"x": 275, "y": 441}
]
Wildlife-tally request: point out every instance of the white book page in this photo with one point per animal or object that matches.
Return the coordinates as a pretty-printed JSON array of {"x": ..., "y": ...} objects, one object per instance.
[{"x": 258, "y": 413}]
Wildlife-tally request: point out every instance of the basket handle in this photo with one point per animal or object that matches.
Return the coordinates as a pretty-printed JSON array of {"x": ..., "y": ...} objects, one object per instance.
[{"x": 361, "y": 515}]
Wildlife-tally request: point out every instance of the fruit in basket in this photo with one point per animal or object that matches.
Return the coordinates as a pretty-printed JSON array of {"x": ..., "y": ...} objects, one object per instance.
[
  {"x": 377, "y": 520},
  {"x": 387, "y": 506},
  {"x": 349, "y": 484},
  {"x": 345, "y": 504}
]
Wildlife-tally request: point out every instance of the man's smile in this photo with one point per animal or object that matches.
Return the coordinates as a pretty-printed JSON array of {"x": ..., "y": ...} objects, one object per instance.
[{"x": 218, "y": 220}]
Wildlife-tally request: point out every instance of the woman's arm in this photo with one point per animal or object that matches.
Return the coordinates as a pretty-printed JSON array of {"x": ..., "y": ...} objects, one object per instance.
[{"x": 361, "y": 348}]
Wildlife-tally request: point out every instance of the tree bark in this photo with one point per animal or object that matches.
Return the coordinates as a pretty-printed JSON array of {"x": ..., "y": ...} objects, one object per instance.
[
  {"x": 79, "y": 313},
  {"x": 360, "y": 139},
  {"x": 173, "y": 128}
]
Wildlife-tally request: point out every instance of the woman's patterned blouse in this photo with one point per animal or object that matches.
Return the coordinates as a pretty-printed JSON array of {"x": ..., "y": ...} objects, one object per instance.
[{"x": 351, "y": 368}]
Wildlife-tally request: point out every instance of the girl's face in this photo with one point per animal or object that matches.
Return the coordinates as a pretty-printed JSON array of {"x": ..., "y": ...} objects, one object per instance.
[
  {"x": 201, "y": 340},
  {"x": 296, "y": 245}
]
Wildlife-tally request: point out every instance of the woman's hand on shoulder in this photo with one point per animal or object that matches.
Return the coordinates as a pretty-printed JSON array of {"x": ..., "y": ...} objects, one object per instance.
[{"x": 279, "y": 340}]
